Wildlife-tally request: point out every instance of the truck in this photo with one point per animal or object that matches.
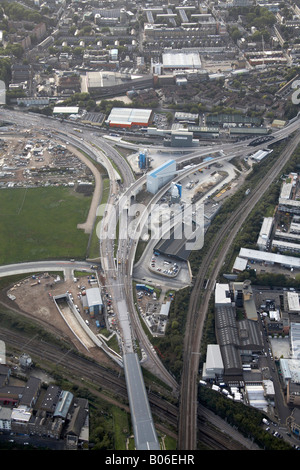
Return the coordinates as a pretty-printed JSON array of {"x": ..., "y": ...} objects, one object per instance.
[{"x": 265, "y": 421}]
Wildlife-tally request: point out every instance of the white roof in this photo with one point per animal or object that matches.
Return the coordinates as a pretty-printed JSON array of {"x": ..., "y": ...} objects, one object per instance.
[
  {"x": 214, "y": 357},
  {"x": 290, "y": 261},
  {"x": 127, "y": 116},
  {"x": 289, "y": 202},
  {"x": 259, "y": 155},
  {"x": 295, "y": 341},
  {"x": 165, "y": 308},
  {"x": 65, "y": 109},
  {"x": 93, "y": 296},
  {"x": 222, "y": 294},
  {"x": 240, "y": 264},
  {"x": 293, "y": 302},
  {"x": 286, "y": 245},
  {"x": 20, "y": 414},
  {"x": 265, "y": 230},
  {"x": 181, "y": 60},
  {"x": 286, "y": 190},
  {"x": 266, "y": 227}
]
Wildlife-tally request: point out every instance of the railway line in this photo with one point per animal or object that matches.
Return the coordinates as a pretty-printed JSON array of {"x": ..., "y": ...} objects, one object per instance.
[
  {"x": 81, "y": 368},
  {"x": 85, "y": 369},
  {"x": 210, "y": 266},
  {"x": 95, "y": 373}
]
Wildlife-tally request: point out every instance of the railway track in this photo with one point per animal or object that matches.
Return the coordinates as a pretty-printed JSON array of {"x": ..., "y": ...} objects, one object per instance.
[
  {"x": 199, "y": 300},
  {"x": 80, "y": 368}
]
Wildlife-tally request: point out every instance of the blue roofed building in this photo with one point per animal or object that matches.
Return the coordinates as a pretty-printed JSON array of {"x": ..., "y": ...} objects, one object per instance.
[
  {"x": 63, "y": 405},
  {"x": 160, "y": 176}
]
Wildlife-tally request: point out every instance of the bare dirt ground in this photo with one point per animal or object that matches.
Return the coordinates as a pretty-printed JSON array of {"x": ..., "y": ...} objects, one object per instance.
[
  {"x": 13, "y": 152},
  {"x": 33, "y": 300},
  {"x": 89, "y": 223}
]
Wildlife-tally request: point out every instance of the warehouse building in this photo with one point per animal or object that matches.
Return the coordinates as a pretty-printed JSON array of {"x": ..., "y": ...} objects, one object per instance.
[
  {"x": 260, "y": 155},
  {"x": 160, "y": 176},
  {"x": 270, "y": 258},
  {"x": 181, "y": 61},
  {"x": 213, "y": 367},
  {"x": 181, "y": 139},
  {"x": 238, "y": 340},
  {"x": 65, "y": 110},
  {"x": 228, "y": 340},
  {"x": 94, "y": 301},
  {"x": 107, "y": 83},
  {"x": 222, "y": 295},
  {"x": 129, "y": 117},
  {"x": 240, "y": 265}
]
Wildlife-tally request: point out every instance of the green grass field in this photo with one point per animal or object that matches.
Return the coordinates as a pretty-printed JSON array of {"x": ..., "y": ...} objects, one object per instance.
[{"x": 41, "y": 223}]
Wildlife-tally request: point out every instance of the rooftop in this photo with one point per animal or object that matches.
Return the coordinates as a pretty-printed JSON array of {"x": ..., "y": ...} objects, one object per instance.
[{"x": 285, "y": 260}]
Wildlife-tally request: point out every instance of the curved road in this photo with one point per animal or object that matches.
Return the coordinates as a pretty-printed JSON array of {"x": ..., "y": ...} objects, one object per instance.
[{"x": 187, "y": 438}]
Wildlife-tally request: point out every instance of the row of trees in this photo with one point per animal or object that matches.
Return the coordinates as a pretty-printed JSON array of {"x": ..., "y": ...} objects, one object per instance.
[
  {"x": 17, "y": 12},
  {"x": 246, "y": 419},
  {"x": 5, "y": 70},
  {"x": 170, "y": 347}
]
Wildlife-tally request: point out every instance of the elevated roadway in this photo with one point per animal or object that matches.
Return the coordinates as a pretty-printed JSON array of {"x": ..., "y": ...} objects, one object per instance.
[{"x": 119, "y": 277}]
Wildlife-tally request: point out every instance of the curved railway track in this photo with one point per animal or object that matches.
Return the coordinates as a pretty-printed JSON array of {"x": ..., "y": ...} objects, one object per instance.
[{"x": 210, "y": 267}]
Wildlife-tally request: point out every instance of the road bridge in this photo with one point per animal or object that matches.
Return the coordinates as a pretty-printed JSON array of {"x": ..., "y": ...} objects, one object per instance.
[
  {"x": 143, "y": 427},
  {"x": 145, "y": 435}
]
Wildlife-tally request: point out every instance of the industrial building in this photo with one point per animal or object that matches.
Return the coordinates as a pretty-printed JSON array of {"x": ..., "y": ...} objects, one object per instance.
[
  {"x": 292, "y": 302},
  {"x": 144, "y": 160},
  {"x": 181, "y": 139},
  {"x": 129, "y": 117},
  {"x": 290, "y": 367},
  {"x": 237, "y": 340},
  {"x": 160, "y": 176},
  {"x": 94, "y": 302},
  {"x": 260, "y": 155},
  {"x": 222, "y": 295},
  {"x": 29, "y": 409},
  {"x": 110, "y": 83},
  {"x": 181, "y": 60},
  {"x": 270, "y": 258},
  {"x": 240, "y": 265},
  {"x": 213, "y": 367},
  {"x": 173, "y": 246},
  {"x": 65, "y": 110}
]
